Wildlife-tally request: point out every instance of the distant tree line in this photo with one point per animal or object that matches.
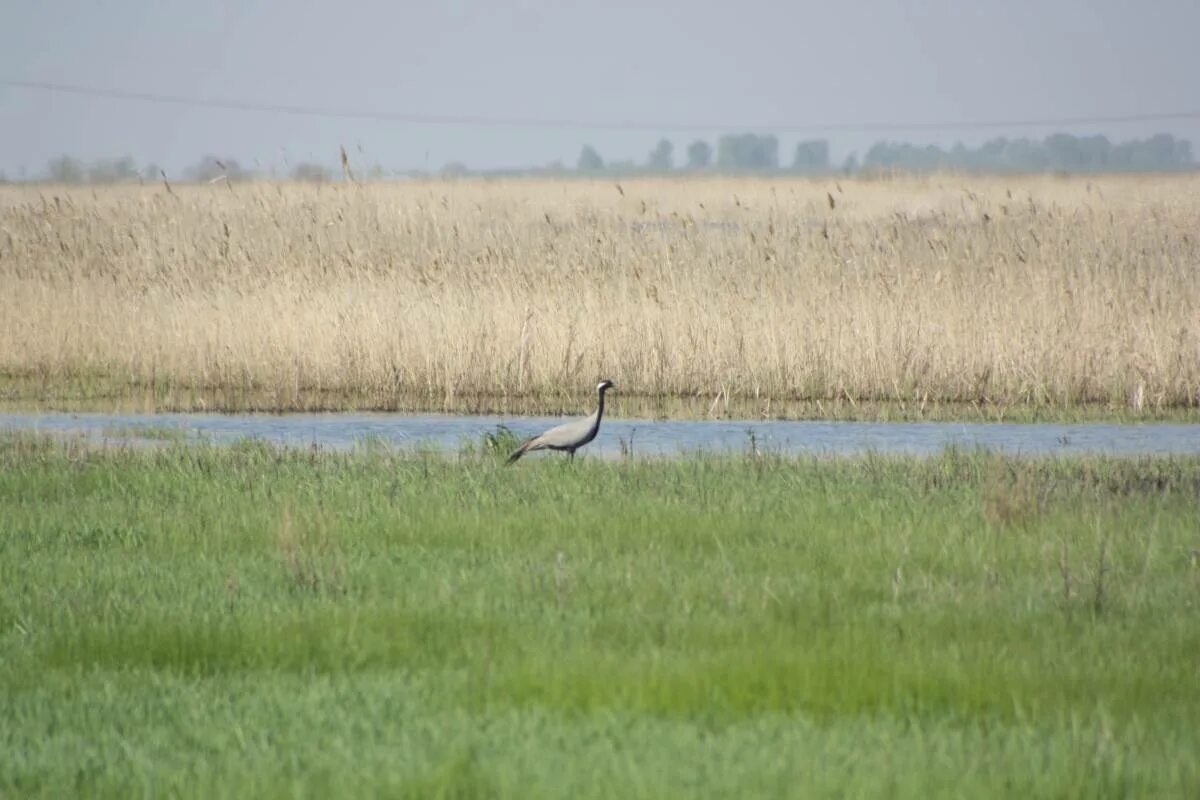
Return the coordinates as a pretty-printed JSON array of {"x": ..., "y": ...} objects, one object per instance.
[
  {"x": 209, "y": 169},
  {"x": 749, "y": 152},
  {"x": 736, "y": 153},
  {"x": 1059, "y": 152}
]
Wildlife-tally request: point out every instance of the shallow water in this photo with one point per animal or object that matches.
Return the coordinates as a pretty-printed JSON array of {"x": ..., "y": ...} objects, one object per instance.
[{"x": 642, "y": 437}]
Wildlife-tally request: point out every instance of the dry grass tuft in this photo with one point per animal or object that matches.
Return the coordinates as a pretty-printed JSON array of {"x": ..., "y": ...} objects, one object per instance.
[
  {"x": 310, "y": 558},
  {"x": 1009, "y": 493},
  {"x": 1034, "y": 292}
]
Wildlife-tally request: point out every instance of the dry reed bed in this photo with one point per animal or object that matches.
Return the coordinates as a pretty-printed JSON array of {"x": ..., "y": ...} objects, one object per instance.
[{"x": 1033, "y": 291}]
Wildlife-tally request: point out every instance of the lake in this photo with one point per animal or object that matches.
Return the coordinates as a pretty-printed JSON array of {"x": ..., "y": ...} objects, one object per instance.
[{"x": 641, "y": 437}]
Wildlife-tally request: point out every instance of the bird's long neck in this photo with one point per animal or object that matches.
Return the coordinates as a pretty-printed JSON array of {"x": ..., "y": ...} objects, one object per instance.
[{"x": 600, "y": 406}]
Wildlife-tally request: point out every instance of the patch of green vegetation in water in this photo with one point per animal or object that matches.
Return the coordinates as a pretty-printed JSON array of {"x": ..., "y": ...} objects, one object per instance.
[{"x": 157, "y": 433}]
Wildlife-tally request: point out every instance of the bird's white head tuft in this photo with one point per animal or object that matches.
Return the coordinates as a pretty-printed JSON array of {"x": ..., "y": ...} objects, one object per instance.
[{"x": 603, "y": 385}]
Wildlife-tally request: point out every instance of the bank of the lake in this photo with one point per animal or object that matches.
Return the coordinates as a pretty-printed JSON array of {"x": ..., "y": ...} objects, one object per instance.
[{"x": 107, "y": 394}]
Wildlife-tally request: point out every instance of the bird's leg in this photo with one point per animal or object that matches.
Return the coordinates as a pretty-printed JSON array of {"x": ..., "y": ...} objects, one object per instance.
[{"x": 572, "y": 452}]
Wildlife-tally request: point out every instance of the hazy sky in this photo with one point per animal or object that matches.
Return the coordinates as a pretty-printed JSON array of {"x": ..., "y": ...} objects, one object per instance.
[{"x": 745, "y": 65}]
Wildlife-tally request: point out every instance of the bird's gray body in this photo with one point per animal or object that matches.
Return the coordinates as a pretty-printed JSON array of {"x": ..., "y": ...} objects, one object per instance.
[{"x": 569, "y": 436}]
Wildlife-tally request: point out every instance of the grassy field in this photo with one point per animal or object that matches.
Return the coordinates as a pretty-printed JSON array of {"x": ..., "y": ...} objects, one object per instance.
[
  {"x": 252, "y": 622},
  {"x": 923, "y": 297}
]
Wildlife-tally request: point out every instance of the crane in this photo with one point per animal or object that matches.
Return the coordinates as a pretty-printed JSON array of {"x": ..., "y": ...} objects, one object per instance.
[{"x": 569, "y": 436}]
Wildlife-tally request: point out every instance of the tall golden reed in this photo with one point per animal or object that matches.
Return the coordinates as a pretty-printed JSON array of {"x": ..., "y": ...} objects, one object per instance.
[{"x": 1026, "y": 291}]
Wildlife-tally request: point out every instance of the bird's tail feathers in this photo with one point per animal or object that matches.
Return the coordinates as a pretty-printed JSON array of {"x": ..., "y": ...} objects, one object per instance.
[{"x": 520, "y": 451}]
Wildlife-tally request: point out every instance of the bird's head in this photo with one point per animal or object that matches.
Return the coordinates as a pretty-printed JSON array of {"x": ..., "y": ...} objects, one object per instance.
[{"x": 604, "y": 386}]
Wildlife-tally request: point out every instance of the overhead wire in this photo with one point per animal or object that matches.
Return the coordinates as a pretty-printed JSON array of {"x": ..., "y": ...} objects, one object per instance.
[{"x": 480, "y": 120}]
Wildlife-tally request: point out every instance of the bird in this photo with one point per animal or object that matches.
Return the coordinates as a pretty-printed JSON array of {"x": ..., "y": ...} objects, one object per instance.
[{"x": 569, "y": 436}]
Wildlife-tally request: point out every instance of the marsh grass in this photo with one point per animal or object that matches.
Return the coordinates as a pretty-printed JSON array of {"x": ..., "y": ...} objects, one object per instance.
[
  {"x": 257, "y": 621},
  {"x": 500, "y": 442},
  {"x": 920, "y": 297}
]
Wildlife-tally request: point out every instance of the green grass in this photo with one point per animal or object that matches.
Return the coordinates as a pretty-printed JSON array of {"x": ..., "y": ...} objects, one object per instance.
[{"x": 256, "y": 622}]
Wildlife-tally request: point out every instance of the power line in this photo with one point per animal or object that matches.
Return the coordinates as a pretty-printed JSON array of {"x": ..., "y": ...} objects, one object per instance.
[{"x": 577, "y": 124}]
